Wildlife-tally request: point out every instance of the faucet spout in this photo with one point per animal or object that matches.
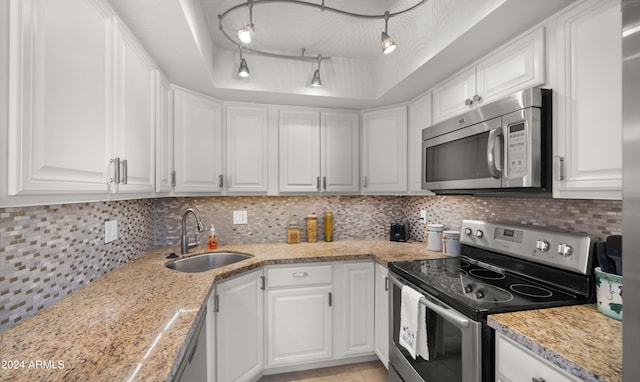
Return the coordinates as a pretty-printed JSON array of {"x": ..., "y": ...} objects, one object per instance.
[{"x": 184, "y": 243}]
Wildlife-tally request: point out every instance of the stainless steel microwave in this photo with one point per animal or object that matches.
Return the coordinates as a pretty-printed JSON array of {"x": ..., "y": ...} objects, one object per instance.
[{"x": 503, "y": 146}]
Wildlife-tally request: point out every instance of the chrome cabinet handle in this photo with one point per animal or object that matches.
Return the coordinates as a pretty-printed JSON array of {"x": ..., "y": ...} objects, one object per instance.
[
  {"x": 477, "y": 98},
  {"x": 562, "y": 169},
  {"x": 125, "y": 170},
  {"x": 494, "y": 169},
  {"x": 364, "y": 181},
  {"x": 324, "y": 183},
  {"x": 262, "y": 282},
  {"x": 300, "y": 274},
  {"x": 318, "y": 183},
  {"x": 331, "y": 302},
  {"x": 220, "y": 180},
  {"x": 386, "y": 283},
  {"x": 115, "y": 172},
  {"x": 468, "y": 102}
]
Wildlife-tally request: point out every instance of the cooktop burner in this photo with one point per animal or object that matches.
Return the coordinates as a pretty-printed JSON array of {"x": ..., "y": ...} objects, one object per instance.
[{"x": 478, "y": 290}]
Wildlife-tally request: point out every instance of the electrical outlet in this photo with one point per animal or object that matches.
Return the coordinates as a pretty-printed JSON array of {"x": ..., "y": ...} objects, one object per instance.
[
  {"x": 423, "y": 215},
  {"x": 240, "y": 217},
  {"x": 110, "y": 231}
]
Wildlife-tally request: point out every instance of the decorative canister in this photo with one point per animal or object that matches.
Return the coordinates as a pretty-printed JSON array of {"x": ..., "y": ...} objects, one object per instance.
[
  {"x": 434, "y": 237},
  {"x": 312, "y": 228},
  {"x": 293, "y": 230},
  {"x": 328, "y": 225},
  {"x": 609, "y": 294},
  {"x": 451, "y": 243}
]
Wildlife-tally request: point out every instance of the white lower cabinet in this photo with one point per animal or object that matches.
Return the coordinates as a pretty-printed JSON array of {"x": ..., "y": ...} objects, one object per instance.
[
  {"x": 357, "y": 308},
  {"x": 514, "y": 363},
  {"x": 299, "y": 314},
  {"x": 382, "y": 314},
  {"x": 239, "y": 335}
]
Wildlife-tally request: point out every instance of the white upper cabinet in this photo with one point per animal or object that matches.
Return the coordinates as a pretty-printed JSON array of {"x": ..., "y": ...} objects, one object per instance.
[
  {"x": 339, "y": 145},
  {"x": 516, "y": 66},
  {"x": 60, "y": 103},
  {"x": 198, "y": 142},
  {"x": 134, "y": 132},
  {"x": 586, "y": 75},
  {"x": 384, "y": 151},
  {"x": 164, "y": 134},
  {"x": 318, "y": 152},
  {"x": 299, "y": 151},
  {"x": 247, "y": 148},
  {"x": 419, "y": 111}
]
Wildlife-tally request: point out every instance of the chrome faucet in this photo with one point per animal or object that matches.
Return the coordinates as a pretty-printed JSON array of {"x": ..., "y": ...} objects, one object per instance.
[{"x": 184, "y": 244}]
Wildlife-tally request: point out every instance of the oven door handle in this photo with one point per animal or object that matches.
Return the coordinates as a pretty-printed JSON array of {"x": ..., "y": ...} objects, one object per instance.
[
  {"x": 445, "y": 312},
  {"x": 495, "y": 167}
]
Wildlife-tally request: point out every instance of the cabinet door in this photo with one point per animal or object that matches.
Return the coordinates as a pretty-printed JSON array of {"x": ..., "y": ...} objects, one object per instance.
[
  {"x": 299, "y": 151},
  {"x": 247, "y": 148},
  {"x": 135, "y": 124},
  {"x": 587, "y": 99},
  {"x": 60, "y": 96},
  {"x": 198, "y": 142},
  {"x": 239, "y": 328},
  {"x": 164, "y": 134},
  {"x": 299, "y": 325},
  {"x": 384, "y": 164},
  {"x": 516, "y": 364},
  {"x": 339, "y": 145},
  {"x": 358, "y": 308},
  {"x": 419, "y": 118},
  {"x": 519, "y": 65},
  {"x": 382, "y": 314},
  {"x": 455, "y": 96}
]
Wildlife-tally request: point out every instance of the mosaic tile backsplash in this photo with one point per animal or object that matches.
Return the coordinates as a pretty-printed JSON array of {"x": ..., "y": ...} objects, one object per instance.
[{"x": 46, "y": 252}]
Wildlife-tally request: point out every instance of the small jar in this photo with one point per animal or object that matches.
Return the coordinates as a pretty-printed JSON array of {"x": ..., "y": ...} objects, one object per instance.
[
  {"x": 451, "y": 243},
  {"x": 312, "y": 228},
  {"x": 434, "y": 237},
  {"x": 293, "y": 230}
]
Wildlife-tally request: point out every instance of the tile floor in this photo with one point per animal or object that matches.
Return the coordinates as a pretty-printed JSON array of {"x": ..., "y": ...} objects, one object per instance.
[{"x": 359, "y": 372}]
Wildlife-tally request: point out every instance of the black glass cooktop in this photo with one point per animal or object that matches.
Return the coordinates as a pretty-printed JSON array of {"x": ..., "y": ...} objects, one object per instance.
[{"x": 477, "y": 291}]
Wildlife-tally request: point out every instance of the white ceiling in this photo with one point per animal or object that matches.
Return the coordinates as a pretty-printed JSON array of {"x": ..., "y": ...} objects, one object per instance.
[{"x": 434, "y": 41}]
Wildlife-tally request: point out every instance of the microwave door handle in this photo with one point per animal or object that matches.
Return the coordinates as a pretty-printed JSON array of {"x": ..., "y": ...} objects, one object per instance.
[{"x": 495, "y": 168}]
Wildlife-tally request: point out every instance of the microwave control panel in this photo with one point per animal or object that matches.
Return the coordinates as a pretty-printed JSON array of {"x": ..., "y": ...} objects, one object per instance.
[{"x": 516, "y": 150}]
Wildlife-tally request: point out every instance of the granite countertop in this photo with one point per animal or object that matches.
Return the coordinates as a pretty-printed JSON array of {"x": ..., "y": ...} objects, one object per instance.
[
  {"x": 578, "y": 339},
  {"x": 134, "y": 323}
]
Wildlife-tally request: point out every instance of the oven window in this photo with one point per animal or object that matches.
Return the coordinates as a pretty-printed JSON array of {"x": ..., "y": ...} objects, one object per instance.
[
  {"x": 444, "y": 342},
  {"x": 465, "y": 158}
]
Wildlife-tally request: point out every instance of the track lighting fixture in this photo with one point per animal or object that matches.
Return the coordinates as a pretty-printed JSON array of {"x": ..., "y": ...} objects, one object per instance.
[
  {"x": 315, "y": 81},
  {"x": 243, "y": 70},
  {"x": 388, "y": 45},
  {"x": 246, "y": 32}
]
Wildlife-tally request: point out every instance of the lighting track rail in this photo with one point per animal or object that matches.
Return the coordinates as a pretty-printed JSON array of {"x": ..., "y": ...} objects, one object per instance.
[{"x": 245, "y": 34}]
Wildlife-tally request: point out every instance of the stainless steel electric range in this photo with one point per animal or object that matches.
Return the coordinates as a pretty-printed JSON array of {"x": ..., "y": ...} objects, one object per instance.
[{"x": 502, "y": 268}]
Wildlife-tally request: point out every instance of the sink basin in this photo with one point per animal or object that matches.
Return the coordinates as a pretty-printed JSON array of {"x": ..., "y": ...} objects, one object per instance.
[{"x": 207, "y": 261}]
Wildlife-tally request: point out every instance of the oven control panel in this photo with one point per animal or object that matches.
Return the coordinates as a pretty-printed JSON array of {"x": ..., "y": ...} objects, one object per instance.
[{"x": 565, "y": 250}]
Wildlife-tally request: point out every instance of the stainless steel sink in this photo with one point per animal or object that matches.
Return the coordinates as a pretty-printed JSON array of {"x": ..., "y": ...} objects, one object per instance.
[{"x": 207, "y": 261}]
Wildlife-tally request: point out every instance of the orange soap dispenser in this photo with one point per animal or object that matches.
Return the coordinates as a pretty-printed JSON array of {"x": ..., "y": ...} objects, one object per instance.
[{"x": 213, "y": 239}]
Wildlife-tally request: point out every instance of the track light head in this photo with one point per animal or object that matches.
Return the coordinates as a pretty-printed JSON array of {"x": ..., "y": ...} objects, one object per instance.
[
  {"x": 315, "y": 81},
  {"x": 388, "y": 45},
  {"x": 243, "y": 71}
]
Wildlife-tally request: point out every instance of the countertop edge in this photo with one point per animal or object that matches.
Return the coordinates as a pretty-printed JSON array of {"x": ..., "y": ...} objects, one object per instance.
[{"x": 544, "y": 352}]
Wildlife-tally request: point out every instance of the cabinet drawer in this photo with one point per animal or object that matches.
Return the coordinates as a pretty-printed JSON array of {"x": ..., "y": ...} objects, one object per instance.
[
  {"x": 516, "y": 364},
  {"x": 299, "y": 276}
]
